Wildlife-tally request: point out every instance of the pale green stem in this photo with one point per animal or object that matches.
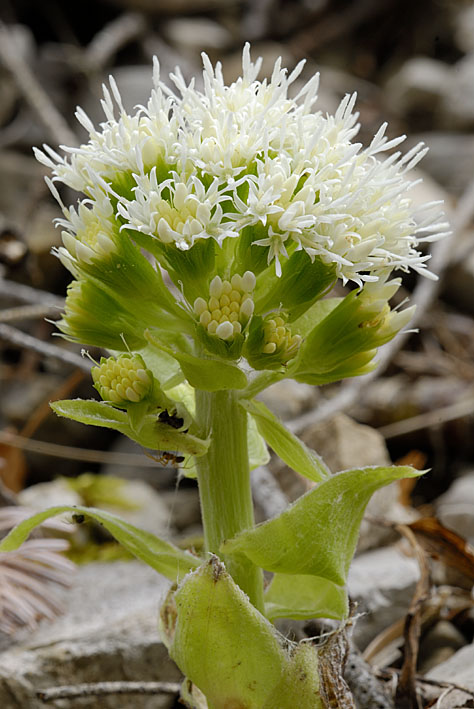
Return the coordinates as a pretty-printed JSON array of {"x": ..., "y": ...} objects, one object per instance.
[{"x": 224, "y": 484}]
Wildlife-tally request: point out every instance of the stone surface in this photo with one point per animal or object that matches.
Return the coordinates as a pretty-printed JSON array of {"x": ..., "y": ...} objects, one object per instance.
[
  {"x": 459, "y": 669},
  {"x": 288, "y": 398},
  {"x": 108, "y": 632},
  {"x": 455, "y": 509},
  {"x": 439, "y": 644},
  {"x": 343, "y": 444},
  {"x": 196, "y": 34},
  {"x": 418, "y": 85},
  {"x": 382, "y": 583},
  {"x": 450, "y": 159}
]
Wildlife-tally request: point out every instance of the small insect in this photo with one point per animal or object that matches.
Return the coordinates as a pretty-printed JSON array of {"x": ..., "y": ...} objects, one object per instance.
[
  {"x": 170, "y": 419},
  {"x": 78, "y": 519},
  {"x": 167, "y": 458}
]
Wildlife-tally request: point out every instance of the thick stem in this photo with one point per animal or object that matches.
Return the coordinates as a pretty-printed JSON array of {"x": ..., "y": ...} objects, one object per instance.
[{"x": 224, "y": 484}]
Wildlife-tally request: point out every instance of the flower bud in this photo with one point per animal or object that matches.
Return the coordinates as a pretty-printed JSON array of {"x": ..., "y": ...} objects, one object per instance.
[
  {"x": 228, "y": 310},
  {"x": 122, "y": 380}
]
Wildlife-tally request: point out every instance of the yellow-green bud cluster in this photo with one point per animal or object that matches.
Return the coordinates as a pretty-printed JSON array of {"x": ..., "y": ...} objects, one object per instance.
[
  {"x": 279, "y": 337},
  {"x": 122, "y": 380},
  {"x": 229, "y": 307}
]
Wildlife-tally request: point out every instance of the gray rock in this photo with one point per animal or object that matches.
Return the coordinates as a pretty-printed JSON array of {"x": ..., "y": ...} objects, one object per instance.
[
  {"x": 418, "y": 85},
  {"x": 382, "y": 583},
  {"x": 459, "y": 670},
  {"x": 455, "y": 508},
  {"x": 49, "y": 494},
  {"x": 343, "y": 444},
  {"x": 458, "y": 98},
  {"x": 288, "y": 398},
  {"x": 109, "y": 632},
  {"x": 196, "y": 34},
  {"x": 439, "y": 644},
  {"x": 450, "y": 160},
  {"x": 464, "y": 28}
]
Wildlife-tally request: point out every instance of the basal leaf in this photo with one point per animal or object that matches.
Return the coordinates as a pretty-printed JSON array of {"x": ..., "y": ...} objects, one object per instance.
[
  {"x": 221, "y": 642},
  {"x": 162, "y": 556},
  {"x": 318, "y": 533}
]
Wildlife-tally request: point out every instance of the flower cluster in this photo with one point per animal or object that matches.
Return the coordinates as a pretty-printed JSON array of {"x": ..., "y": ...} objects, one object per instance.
[
  {"x": 194, "y": 165},
  {"x": 254, "y": 205}
]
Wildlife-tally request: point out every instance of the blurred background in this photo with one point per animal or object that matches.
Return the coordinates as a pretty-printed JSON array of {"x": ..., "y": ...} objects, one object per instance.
[{"x": 411, "y": 64}]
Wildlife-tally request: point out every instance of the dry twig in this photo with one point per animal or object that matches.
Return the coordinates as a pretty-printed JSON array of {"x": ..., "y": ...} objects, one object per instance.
[
  {"x": 55, "y": 450},
  {"x": 103, "y": 689},
  {"x": 33, "y": 92},
  {"x": 111, "y": 38},
  {"x": 22, "y": 339}
]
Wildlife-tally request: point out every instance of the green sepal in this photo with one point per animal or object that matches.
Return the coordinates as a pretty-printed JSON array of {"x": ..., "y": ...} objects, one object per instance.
[
  {"x": 303, "y": 596},
  {"x": 152, "y": 433},
  {"x": 93, "y": 317},
  {"x": 128, "y": 275},
  {"x": 201, "y": 373},
  {"x": 172, "y": 562},
  {"x": 318, "y": 533},
  {"x": 285, "y": 444},
  {"x": 137, "y": 415},
  {"x": 190, "y": 270},
  {"x": 302, "y": 282},
  {"x": 342, "y": 344}
]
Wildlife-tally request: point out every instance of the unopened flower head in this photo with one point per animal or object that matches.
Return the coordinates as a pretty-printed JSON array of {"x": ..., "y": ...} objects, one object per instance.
[{"x": 122, "y": 380}]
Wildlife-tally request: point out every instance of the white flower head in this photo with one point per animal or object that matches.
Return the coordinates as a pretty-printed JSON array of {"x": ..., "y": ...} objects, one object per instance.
[{"x": 205, "y": 165}]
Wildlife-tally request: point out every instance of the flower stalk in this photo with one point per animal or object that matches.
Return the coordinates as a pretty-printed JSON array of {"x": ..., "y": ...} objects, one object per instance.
[{"x": 224, "y": 484}]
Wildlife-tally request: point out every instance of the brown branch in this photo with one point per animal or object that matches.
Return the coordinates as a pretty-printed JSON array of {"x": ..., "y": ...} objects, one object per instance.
[
  {"x": 22, "y": 339},
  {"x": 27, "y": 294},
  {"x": 103, "y": 689},
  {"x": 111, "y": 38},
  {"x": 33, "y": 92},
  {"x": 406, "y": 695},
  {"x": 25, "y": 312},
  {"x": 55, "y": 450},
  {"x": 462, "y": 408}
]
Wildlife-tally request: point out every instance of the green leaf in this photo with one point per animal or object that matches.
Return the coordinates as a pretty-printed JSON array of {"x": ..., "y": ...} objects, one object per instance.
[
  {"x": 222, "y": 643},
  {"x": 160, "y": 555},
  {"x": 302, "y": 596},
  {"x": 231, "y": 652},
  {"x": 318, "y": 533},
  {"x": 201, "y": 373},
  {"x": 152, "y": 433},
  {"x": 285, "y": 444}
]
